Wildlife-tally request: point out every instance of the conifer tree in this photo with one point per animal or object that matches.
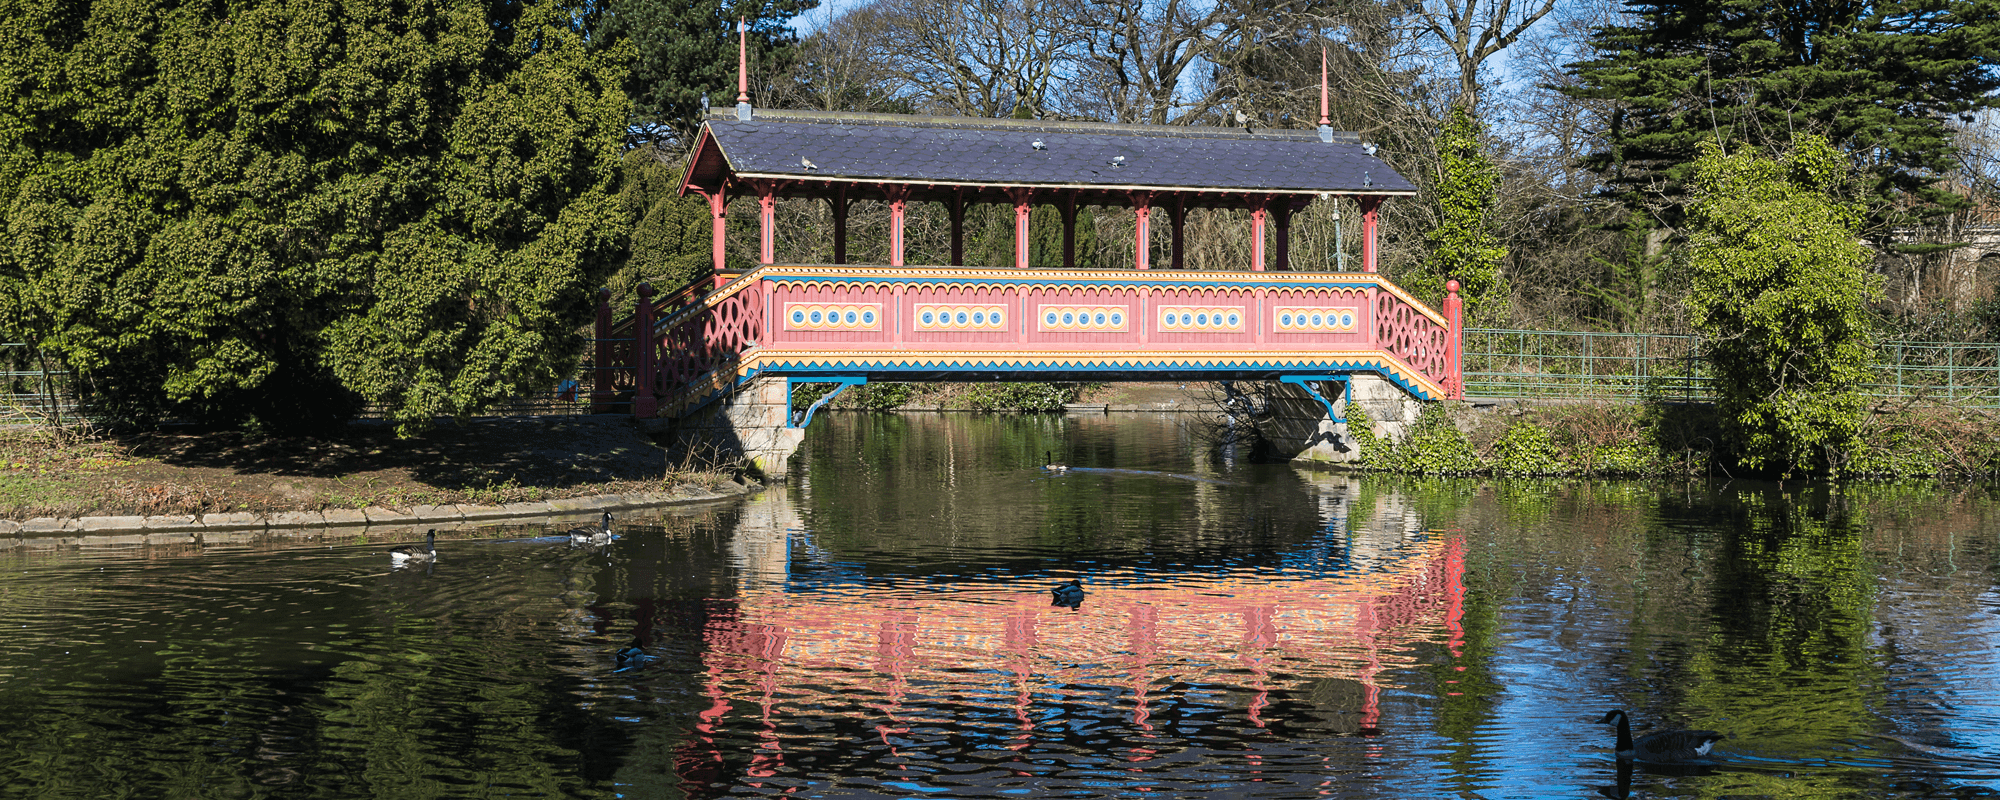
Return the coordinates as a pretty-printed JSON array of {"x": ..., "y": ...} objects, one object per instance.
[
  {"x": 1878, "y": 80},
  {"x": 274, "y": 212}
]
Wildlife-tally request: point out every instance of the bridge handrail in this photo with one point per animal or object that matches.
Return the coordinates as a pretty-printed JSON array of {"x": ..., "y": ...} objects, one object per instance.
[{"x": 716, "y": 326}]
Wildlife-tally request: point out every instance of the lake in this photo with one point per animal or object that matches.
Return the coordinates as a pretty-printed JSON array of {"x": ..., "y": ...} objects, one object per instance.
[{"x": 882, "y": 625}]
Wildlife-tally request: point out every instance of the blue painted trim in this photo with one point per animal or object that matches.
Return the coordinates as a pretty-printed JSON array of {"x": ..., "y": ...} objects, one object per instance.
[
  {"x": 1306, "y": 382},
  {"x": 793, "y": 383},
  {"x": 833, "y": 371}
]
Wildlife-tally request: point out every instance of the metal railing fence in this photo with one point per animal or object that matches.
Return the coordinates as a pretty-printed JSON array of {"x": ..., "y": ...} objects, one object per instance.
[
  {"x": 1521, "y": 364},
  {"x": 29, "y": 395}
]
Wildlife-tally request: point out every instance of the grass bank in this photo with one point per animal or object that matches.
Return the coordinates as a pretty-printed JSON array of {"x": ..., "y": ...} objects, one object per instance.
[{"x": 50, "y": 473}]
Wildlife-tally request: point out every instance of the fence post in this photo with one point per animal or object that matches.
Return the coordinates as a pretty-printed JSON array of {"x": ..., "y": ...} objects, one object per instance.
[
  {"x": 600, "y": 384},
  {"x": 644, "y": 404},
  {"x": 1454, "y": 312}
]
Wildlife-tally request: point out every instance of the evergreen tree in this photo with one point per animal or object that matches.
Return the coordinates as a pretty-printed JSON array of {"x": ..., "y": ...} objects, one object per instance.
[
  {"x": 682, "y": 49},
  {"x": 272, "y": 212},
  {"x": 673, "y": 240},
  {"x": 1780, "y": 296},
  {"x": 1463, "y": 245},
  {"x": 1878, "y": 80}
]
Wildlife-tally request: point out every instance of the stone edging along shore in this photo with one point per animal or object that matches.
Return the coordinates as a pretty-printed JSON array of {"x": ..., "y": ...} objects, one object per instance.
[{"x": 237, "y": 525}]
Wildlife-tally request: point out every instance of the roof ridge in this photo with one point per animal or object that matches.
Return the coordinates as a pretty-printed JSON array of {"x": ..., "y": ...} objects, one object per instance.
[{"x": 1040, "y": 125}]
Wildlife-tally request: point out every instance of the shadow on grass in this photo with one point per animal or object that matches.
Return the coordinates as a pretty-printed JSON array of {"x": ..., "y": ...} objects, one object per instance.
[{"x": 534, "y": 452}]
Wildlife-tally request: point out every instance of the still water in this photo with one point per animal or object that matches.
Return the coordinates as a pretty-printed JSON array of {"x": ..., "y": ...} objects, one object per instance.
[{"x": 882, "y": 626}]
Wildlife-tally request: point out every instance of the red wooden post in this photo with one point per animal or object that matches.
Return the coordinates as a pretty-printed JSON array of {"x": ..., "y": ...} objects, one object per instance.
[
  {"x": 1142, "y": 209},
  {"x": 840, "y": 225},
  {"x": 958, "y": 227},
  {"x": 1258, "y": 212},
  {"x": 898, "y": 197},
  {"x": 1177, "y": 216},
  {"x": 1068, "y": 209},
  {"x": 1283, "y": 212},
  {"x": 1369, "y": 205},
  {"x": 718, "y": 209},
  {"x": 644, "y": 404},
  {"x": 1021, "y": 211},
  {"x": 767, "y": 207},
  {"x": 600, "y": 384},
  {"x": 1454, "y": 342}
]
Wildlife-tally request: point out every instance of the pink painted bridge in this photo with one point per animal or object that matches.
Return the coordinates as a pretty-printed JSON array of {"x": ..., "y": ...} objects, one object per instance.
[{"x": 719, "y": 356}]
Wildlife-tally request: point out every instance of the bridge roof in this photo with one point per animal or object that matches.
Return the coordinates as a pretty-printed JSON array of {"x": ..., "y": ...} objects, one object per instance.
[{"x": 981, "y": 159}]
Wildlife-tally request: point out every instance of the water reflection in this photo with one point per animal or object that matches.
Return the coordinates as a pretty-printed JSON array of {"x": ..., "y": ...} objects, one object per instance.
[{"x": 883, "y": 626}]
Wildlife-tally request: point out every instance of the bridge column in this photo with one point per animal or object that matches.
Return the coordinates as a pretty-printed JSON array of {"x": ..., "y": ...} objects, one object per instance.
[
  {"x": 1021, "y": 211},
  {"x": 898, "y": 197},
  {"x": 1177, "y": 216},
  {"x": 1258, "y": 212},
  {"x": 840, "y": 225},
  {"x": 644, "y": 404},
  {"x": 1068, "y": 208},
  {"x": 750, "y": 423},
  {"x": 600, "y": 379},
  {"x": 1283, "y": 214},
  {"x": 767, "y": 207},
  {"x": 718, "y": 212},
  {"x": 1142, "y": 211},
  {"x": 1370, "y": 204},
  {"x": 957, "y": 212}
]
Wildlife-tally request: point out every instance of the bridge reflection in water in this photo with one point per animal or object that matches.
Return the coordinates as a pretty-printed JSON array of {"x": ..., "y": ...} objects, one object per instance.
[{"x": 1000, "y": 667}]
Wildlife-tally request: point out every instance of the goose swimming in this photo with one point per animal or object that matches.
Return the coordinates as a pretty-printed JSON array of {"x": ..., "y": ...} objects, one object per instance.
[{"x": 1661, "y": 747}]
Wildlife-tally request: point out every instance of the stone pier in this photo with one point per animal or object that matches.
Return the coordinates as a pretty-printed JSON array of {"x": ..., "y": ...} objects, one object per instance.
[
  {"x": 1297, "y": 427},
  {"x": 749, "y": 423}
]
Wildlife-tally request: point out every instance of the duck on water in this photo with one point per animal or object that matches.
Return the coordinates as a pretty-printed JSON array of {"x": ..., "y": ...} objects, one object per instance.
[
  {"x": 1661, "y": 747},
  {"x": 1067, "y": 595}
]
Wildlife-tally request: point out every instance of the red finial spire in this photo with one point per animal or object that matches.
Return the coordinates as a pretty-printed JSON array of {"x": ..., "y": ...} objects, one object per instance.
[
  {"x": 1322, "y": 85},
  {"x": 742, "y": 61}
]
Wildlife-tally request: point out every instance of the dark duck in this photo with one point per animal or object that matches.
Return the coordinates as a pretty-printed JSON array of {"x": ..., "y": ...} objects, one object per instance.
[
  {"x": 1067, "y": 595},
  {"x": 407, "y": 554},
  {"x": 1661, "y": 747}
]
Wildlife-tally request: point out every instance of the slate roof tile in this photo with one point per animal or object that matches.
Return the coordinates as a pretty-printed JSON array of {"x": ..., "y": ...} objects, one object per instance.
[{"x": 885, "y": 147}]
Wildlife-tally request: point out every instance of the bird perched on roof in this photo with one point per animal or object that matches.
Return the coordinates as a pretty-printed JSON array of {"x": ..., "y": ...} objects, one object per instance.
[
  {"x": 704, "y": 102},
  {"x": 808, "y": 164},
  {"x": 1243, "y": 120},
  {"x": 1661, "y": 747},
  {"x": 1039, "y": 145},
  {"x": 1368, "y": 147},
  {"x": 1117, "y": 161}
]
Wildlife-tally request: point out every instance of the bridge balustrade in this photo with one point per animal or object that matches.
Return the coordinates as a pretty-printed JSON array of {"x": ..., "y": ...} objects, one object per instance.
[{"x": 954, "y": 323}]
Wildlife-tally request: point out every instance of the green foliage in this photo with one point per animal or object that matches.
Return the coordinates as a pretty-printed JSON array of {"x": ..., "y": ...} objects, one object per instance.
[
  {"x": 1779, "y": 294},
  {"x": 1527, "y": 449},
  {"x": 1435, "y": 445},
  {"x": 882, "y": 396},
  {"x": 1463, "y": 245},
  {"x": 682, "y": 49},
  {"x": 1627, "y": 284},
  {"x": 1045, "y": 238},
  {"x": 1878, "y": 80},
  {"x": 271, "y": 212},
  {"x": 673, "y": 240},
  {"x": 1371, "y": 448},
  {"x": 1017, "y": 396}
]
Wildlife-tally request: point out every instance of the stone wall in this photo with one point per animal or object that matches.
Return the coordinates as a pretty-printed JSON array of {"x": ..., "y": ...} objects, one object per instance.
[
  {"x": 748, "y": 423},
  {"x": 1296, "y": 426}
]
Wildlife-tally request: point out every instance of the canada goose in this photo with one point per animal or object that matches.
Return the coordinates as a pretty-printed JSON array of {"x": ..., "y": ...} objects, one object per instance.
[
  {"x": 1067, "y": 595},
  {"x": 585, "y": 534},
  {"x": 1052, "y": 466},
  {"x": 1661, "y": 747},
  {"x": 403, "y": 554}
]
